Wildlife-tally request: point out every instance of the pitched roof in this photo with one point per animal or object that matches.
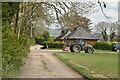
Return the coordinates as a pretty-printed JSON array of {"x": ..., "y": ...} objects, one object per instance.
[
  {"x": 66, "y": 34},
  {"x": 79, "y": 32},
  {"x": 63, "y": 35}
]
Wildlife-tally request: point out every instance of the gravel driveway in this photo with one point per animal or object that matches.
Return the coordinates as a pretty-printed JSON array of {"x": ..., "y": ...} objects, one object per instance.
[{"x": 42, "y": 64}]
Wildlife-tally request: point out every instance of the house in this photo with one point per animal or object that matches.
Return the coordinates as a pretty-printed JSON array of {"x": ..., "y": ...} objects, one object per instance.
[{"x": 80, "y": 32}]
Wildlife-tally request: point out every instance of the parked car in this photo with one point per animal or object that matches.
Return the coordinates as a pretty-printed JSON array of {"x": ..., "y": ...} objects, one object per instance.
[
  {"x": 116, "y": 47},
  {"x": 44, "y": 45}
]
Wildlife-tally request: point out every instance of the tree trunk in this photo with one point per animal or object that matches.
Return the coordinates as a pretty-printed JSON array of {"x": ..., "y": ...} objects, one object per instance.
[
  {"x": 16, "y": 21},
  {"x": 19, "y": 20},
  {"x": 31, "y": 35}
]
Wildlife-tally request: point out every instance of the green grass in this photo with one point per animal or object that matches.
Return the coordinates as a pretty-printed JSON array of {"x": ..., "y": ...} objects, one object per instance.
[
  {"x": 97, "y": 50},
  {"x": 92, "y": 65}
]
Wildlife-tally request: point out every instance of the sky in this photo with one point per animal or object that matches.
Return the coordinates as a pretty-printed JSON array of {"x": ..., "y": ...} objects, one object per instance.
[{"x": 111, "y": 10}]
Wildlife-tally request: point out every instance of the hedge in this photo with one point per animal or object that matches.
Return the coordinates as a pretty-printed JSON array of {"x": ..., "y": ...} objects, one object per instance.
[
  {"x": 102, "y": 45},
  {"x": 96, "y": 45},
  {"x": 55, "y": 44},
  {"x": 14, "y": 51},
  {"x": 13, "y": 54}
]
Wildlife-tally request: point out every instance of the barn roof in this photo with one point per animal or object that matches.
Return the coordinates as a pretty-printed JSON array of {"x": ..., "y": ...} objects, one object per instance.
[
  {"x": 79, "y": 32},
  {"x": 82, "y": 33},
  {"x": 61, "y": 37}
]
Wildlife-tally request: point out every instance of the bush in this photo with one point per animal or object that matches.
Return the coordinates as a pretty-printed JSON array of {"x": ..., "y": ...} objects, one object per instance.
[
  {"x": 13, "y": 54},
  {"x": 102, "y": 45},
  {"x": 89, "y": 43},
  {"x": 38, "y": 40},
  {"x": 14, "y": 51},
  {"x": 43, "y": 36},
  {"x": 55, "y": 44}
]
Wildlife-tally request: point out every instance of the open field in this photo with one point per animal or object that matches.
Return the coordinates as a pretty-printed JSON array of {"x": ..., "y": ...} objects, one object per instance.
[{"x": 94, "y": 65}]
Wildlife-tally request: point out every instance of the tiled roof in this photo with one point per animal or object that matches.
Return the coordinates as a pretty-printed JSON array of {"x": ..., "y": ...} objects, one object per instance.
[
  {"x": 62, "y": 36},
  {"x": 79, "y": 32}
]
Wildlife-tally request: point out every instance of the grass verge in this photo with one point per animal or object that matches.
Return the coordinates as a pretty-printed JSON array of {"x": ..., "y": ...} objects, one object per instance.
[
  {"x": 97, "y": 50},
  {"x": 92, "y": 66}
]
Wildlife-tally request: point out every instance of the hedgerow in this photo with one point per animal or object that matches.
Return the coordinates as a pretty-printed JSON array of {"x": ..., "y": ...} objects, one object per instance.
[
  {"x": 102, "y": 45},
  {"x": 55, "y": 44},
  {"x": 14, "y": 51}
]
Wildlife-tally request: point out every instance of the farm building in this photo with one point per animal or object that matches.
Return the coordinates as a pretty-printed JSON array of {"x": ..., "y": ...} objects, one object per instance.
[{"x": 80, "y": 32}]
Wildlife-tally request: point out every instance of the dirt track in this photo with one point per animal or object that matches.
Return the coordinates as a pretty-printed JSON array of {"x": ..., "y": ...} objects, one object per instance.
[{"x": 42, "y": 64}]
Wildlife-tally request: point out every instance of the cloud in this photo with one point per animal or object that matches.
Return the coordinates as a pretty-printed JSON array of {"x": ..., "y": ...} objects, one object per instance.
[{"x": 111, "y": 1}]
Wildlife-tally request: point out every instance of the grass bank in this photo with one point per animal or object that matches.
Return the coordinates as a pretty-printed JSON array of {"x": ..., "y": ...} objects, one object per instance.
[
  {"x": 97, "y": 50},
  {"x": 92, "y": 65}
]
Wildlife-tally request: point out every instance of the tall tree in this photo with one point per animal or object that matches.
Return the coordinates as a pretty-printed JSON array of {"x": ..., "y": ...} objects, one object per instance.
[
  {"x": 50, "y": 12},
  {"x": 76, "y": 9},
  {"x": 113, "y": 31},
  {"x": 72, "y": 21},
  {"x": 102, "y": 28},
  {"x": 27, "y": 13},
  {"x": 107, "y": 30}
]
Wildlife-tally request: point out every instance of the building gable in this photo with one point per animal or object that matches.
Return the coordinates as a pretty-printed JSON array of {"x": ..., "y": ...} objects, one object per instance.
[{"x": 80, "y": 32}]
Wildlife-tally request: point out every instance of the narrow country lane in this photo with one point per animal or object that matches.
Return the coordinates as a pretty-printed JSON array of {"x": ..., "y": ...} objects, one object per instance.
[{"x": 42, "y": 64}]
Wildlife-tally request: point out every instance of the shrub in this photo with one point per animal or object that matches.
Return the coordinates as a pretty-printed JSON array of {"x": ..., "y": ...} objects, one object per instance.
[
  {"x": 43, "y": 36},
  {"x": 102, "y": 45},
  {"x": 55, "y": 44},
  {"x": 89, "y": 43},
  {"x": 14, "y": 51}
]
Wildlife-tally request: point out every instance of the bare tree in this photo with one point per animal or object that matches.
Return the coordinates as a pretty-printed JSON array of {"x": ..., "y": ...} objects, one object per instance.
[
  {"x": 113, "y": 31},
  {"x": 27, "y": 13},
  {"x": 72, "y": 21},
  {"x": 107, "y": 30},
  {"x": 50, "y": 12},
  {"x": 62, "y": 9},
  {"x": 102, "y": 28}
]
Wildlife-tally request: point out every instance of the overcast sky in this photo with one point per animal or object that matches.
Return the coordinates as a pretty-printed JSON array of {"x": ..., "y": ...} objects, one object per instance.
[{"x": 111, "y": 11}]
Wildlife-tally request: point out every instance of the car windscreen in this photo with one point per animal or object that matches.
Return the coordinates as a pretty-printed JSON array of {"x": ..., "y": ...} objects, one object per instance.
[{"x": 118, "y": 45}]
